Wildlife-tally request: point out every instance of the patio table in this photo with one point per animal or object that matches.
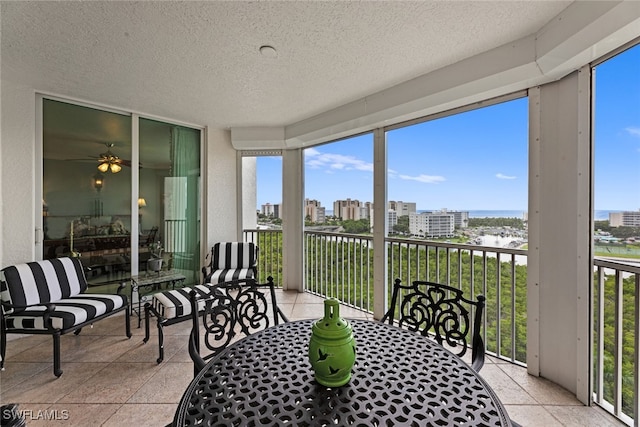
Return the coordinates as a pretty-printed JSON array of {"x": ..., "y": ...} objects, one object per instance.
[{"x": 399, "y": 378}]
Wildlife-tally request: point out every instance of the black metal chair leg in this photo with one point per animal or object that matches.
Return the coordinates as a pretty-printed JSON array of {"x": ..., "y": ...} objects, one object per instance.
[
  {"x": 146, "y": 323},
  {"x": 160, "y": 341},
  {"x": 3, "y": 343},
  {"x": 56, "y": 355},
  {"x": 127, "y": 321}
]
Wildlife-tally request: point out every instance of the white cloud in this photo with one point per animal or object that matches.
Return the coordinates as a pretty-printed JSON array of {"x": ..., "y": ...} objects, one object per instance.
[
  {"x": 427, "y": 179},
  {"x": 318, "y": 160},
  {"x": 503, "y": 176},
  {"x": 633, "y": 131}
]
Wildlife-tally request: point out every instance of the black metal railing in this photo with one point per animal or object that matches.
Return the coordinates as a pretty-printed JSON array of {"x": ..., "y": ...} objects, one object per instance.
[{"x": 341, "y": 265}]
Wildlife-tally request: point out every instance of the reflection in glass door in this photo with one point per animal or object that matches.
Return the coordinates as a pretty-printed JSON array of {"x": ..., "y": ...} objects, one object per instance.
[
  {"x": 169, "y": 199},
  {"x": 86, "y": 194},
  {"x": 86, "y": 189}
]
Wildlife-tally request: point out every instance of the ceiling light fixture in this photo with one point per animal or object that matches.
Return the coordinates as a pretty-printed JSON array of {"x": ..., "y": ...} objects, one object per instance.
[{"x": 109, "y": 161}]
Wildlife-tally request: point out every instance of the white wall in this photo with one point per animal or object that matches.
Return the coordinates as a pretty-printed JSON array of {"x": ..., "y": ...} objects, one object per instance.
[
  {"x": 18, "y": 180},
  {"x": 220, "y": 200},
  {"x": 249, "y": 193}
]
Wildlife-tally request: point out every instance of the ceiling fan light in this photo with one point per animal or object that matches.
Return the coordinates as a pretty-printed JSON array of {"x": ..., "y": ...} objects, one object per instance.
[
  {"x": 115, "y": 168},
  {"x": 103, "y": 167}
]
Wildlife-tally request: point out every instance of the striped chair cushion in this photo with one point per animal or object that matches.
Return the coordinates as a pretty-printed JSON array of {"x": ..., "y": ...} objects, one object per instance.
[
  {"x": 226, "y": 255},
  {"x": 227, "y": 275},
  {"x": 42, "y": 282},
  {"x": 175, "y": 303},
  {"x": 68, "y": 312}
]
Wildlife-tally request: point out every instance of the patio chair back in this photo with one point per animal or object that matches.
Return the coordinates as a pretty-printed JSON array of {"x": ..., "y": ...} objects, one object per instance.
[
  {"x": 440, "y": 312},
  {"x": 231, "y": 261},
  {"x": 230, "y": 310}
]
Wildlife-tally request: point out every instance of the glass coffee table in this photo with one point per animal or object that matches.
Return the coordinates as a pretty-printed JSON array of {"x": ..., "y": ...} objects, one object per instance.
[{"x": 149, "y": 283}]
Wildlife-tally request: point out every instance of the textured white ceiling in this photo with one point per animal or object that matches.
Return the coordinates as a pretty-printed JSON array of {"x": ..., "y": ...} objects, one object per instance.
[{"x": 199, "y": 62}]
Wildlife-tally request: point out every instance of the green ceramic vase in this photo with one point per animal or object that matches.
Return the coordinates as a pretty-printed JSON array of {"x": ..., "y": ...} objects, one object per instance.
[{"x": 332, "y": 348}]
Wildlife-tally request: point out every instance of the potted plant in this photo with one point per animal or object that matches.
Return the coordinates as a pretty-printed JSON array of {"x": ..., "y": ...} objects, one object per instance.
[{"x": 155, "y": 262}]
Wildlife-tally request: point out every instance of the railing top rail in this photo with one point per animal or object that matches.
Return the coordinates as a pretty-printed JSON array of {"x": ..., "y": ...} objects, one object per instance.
[
  {"x": 618, "y": 265},
  {"x": 331, "y": 234},
  {"x": 463, "y": 246}
]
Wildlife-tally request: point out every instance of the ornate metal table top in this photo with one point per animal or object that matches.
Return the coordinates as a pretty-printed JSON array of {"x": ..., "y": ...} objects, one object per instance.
[{"x": 399, "y": 378}]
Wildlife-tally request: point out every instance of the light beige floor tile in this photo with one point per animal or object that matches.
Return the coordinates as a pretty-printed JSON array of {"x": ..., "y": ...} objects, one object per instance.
[
  {"x": 16, "y": 372},
  {"x": 507, "y": 389},
  {"x": 531, "y": 416},
  {"x": 307, "y": 311},
  {"x": 142, "y": 415},
  {"x": 148, "y": 352},
  {"x": 307, "y": 298},
  {"x": 180, "y": 328},
  {"x": 583, "y": 416},
  {"x": 18, "y": 343},
  {"x": 541, "y": 389},
  {"x": 44, "y": 387},
  {"x": 288, "y": 297},
  {"x": 43, "y": 352},
  {"x": 115, "y": 384},
  {"x": 104, "y": 348},
  {"x": 181, "y": 356},
  {"x": 73, "y": 415},
  {"x": 287, "y": 309},
  {"x": 167, "y": 385}
]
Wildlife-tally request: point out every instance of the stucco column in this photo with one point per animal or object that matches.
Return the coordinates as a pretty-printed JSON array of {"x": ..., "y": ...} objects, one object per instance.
[
  {"x": 560, "y": 207},
  {"x": 293, "y": 219}
]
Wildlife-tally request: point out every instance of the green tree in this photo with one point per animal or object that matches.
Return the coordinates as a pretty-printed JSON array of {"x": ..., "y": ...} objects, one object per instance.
[
  {"x": 354, "y": 227},
  {"x": 403, "y": 225}
]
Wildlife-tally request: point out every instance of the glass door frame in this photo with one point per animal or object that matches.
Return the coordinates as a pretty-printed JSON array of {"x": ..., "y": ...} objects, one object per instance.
[{"x": 135, "y": 173}]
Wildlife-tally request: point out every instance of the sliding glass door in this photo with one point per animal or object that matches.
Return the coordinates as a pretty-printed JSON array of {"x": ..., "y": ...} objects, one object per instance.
[
  {"x": 169, "y": 198},
  {"x": 87, "y": 186}
]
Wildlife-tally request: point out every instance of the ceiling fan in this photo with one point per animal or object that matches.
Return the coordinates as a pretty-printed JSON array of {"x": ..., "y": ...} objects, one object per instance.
[{"x": 108, "y": 161}]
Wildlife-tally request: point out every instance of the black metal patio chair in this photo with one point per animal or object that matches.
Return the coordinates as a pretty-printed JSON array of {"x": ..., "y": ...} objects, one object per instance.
[
  {"x": 229, "y": 310},
  {"x": 442, "y": 313}
]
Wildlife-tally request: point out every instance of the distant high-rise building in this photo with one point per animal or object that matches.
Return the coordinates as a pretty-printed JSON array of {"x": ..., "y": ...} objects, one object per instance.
[
  {"x": 392, "y": 218},
  {"x": 271, "y": 210},
  {"x": 347, "y": 209},
  {"x": 402, "y": 208},
  {"x": 624, "y": 219},
  {"x": 314, "y": 210},
  {"x": 427, "y": 224},
  {"x": 366, "y": 210},
  {"x": 461, "y": 218}
]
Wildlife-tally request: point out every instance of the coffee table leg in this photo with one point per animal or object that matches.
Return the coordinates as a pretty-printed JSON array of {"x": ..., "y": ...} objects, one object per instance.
[{"x": 135, "y": 288}]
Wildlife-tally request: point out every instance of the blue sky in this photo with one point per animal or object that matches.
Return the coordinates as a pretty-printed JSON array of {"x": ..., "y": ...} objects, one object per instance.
[{"x": 477, "y": 160}]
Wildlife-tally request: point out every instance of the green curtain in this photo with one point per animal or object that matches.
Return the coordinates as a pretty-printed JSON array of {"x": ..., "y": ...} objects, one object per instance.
[{"x": 185, "y": 163}]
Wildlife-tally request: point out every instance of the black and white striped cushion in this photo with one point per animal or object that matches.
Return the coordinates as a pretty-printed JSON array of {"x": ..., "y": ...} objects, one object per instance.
[
  {"x": 175, "y": 303},
  {"x": 68, "y": 312},
  {"x": 227, "y": 255},
  {"x": 42, "y": 282},
  {"x": 228, "y": 275}
]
